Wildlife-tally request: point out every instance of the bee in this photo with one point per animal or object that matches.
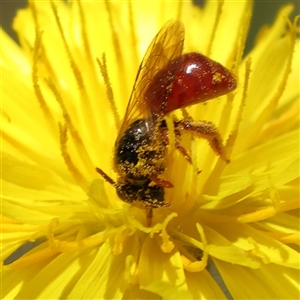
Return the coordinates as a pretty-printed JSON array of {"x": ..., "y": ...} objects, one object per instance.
[{"x": 166, "y": 80}]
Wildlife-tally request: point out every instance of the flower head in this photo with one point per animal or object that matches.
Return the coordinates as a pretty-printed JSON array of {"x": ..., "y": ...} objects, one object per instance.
[{"x": 65, "y": 91}]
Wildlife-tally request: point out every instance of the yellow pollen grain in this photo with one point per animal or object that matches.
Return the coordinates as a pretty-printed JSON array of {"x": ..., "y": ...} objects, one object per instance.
[{"x": 217, "y": 77}]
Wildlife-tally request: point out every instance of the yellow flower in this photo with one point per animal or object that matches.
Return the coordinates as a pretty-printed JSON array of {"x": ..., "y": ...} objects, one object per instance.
[{"x": 61, "y": 93}]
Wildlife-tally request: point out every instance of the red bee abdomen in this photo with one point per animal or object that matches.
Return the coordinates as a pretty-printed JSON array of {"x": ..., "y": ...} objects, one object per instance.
[{"x": 187, "y": 80}]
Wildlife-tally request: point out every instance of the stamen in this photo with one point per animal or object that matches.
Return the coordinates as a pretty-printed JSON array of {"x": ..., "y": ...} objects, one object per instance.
[
  {"x": 240, "y": 43},
  {"x": 134, "y": 41},
  {"x": 166, "y": 244},
  {"x": 187, "y": 239},
  {"x": 64, "y": 152},
  {"x": 62, "y": 243},
  {"x": 86, "y": 103},
  {"x": 198, "y": 265},
  {"x": 42, "y": 54},
  {"x": 117, "y": 47},
  {"x": 74, "y": 67},
  {"x": 204, "y": 241},
  {"x": 256, "y": 252},
  {"x": 79, "y": 145},
  {"x": 234, "y": 133},
  {"x": 215, "y": 27},
  {"x": 109, "y": 90},
  {"x": 35, "y": 80},
  {"x": 37, "y": 49},
  {"x": 86, "y": 44},
  {"x": 91, "y": 241}
]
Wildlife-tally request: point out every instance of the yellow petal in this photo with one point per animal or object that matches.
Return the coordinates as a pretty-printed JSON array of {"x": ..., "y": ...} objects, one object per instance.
[
  {"x": 163, "y": 275},
  {"x": 57, "y": 276},
  {"x": 203, "y": 286},
  {"x": 270, "y": 66},
  {"x": 258, "y": 245},
  {"x": 108, "y": 275},
  {"x": 283, "y": 283},
  {"x": 268, "y": 166},
  {"x": 14, "y": 281}
]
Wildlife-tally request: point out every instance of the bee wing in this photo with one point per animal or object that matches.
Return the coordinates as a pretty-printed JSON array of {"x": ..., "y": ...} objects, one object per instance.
[{"x": 166, "y": 45}]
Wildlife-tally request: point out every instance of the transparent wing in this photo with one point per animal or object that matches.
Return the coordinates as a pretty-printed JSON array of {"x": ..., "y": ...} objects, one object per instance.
[{"x": 166, "y": 45}]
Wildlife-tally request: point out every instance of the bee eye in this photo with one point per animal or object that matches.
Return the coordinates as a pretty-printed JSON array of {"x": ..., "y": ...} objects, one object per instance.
[{"x": 127, "y": 147}]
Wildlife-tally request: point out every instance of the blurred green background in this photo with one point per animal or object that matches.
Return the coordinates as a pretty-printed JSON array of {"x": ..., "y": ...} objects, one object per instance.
[{"x": 264, "y": 13}]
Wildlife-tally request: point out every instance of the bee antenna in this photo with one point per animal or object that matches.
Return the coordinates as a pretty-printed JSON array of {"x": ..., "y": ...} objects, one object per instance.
[{"x": 106, "y": 177}]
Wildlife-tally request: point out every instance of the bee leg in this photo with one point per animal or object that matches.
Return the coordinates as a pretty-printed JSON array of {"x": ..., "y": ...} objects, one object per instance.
[
  {"x": 183, "y": 151},
  {"x": 149, "y": 216},
  {"x": 106, "y": 177},
  {"x": 161, "y": 182},
  {"x": 178, "y": 146},
  {"x": 206, "y": 130}
]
